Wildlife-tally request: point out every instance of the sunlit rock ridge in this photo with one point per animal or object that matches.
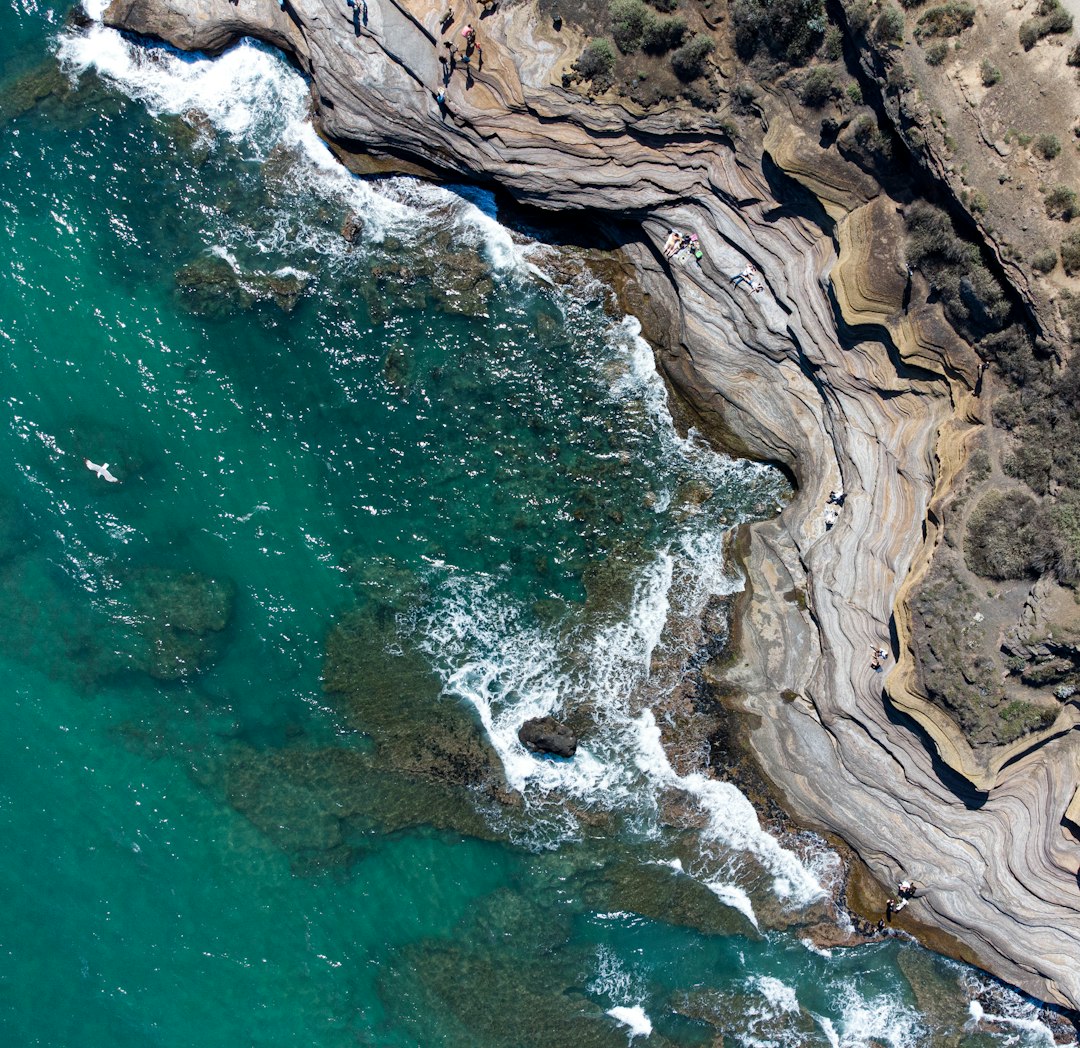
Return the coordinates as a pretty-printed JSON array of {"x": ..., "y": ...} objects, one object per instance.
[{"x": 839, "y": 368}]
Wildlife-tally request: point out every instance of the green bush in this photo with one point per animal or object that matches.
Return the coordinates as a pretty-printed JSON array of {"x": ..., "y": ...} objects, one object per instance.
[
  {"x": 949, "y": 19},
  {"x": 999, "y": 541},
  {"x": 833, "y": 44},
  {"x": 1050, "y": 17},
  {"x": 667, "y": 6},
  {"x": 937, "y": 52},
  {"x": 818, "y": 86},
  {"x": 972, "y": 297},
  {"x": 1021, "y": 718},
  {"x": 1047, "y": 146},
  {"x": 854, "y": 93},
  {"x": 629, "y": 19},
  {"x": 790, "y": 30},
  {"x": 864, "y": 142},
  {"x": 1070, "y": 253},
  {"x": 663, "y": 35},
  {"x": 858, "y": 15},
  {"x": 1060, "y": 203},
  {"x": 690, "y": 60},
  {"x": 989, "y": 72},
  {"x": 597, "y": 63},
  {"x": 889, "y": 27},
  {"x": 1045, "y": 260}
]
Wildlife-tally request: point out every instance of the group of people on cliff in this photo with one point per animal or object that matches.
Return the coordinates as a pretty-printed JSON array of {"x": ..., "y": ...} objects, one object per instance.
[{"x": 681, "y": 247}]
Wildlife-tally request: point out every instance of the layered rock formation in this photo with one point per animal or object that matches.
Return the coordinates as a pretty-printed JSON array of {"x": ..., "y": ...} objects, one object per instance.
[{"x": 841, "y": 369}]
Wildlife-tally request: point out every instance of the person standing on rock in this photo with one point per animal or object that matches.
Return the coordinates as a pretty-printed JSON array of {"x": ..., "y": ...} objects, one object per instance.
[{"x": 890, "y": 909}]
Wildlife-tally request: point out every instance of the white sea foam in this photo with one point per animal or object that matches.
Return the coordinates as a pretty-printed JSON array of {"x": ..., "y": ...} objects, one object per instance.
[
  {"x": 780, "y": 996},
  {"x": 732, "y": 819},
  {"x": 251, "y": 95},
  {"x": 735, "y": 897},
  {"x": 612, "y": 979},
  {"x": 879, "y": 1020},
  {"x": 1029, "y": 1032},
  {"x": 510, "y": 672},
  {"x": 633, "y": 1017}
]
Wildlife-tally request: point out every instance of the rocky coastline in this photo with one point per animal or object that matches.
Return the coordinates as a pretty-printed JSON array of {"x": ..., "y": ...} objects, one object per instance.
[{"x": 843, "y": 370}]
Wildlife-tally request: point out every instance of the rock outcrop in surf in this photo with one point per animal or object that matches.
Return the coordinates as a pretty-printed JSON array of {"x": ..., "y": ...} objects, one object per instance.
[{"x": 547, "y": 735}]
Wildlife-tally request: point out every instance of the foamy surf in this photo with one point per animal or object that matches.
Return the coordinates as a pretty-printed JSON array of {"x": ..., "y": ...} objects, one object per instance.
[
  {"x": 734, "y": 896},
  {"x": 1031, "y": 1032},
  {"x": 634, "y": 1018},
  {"x": 510, "y": 671},
  {"x": 253, "y": 96}
]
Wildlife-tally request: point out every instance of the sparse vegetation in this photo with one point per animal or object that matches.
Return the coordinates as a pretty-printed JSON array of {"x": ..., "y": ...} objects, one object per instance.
[
  {"x": 689, "y": 61},
  {"x": 951, "y": 642},
  {"x": 1001, "y": 541},
  {"x": 1021, "y": 718},
  {"x": 937, "y": 52},
  {"x": 889, "y": 27},
  {"x": 790, "y": 30},
  {"x": 818, "y": 86},
  {"x": 1050, "y": 17},
  {"x": 1044, "y": 261},
  {"x": 989, "y": 72},
  {"x": 1060, "y": 203},
  {"x": 1047, "y": 146},
  {"x": 949, "y": 19},
  {"x": 973, "y": 299},
  {"x": 1070, "y": 253},
  {"x": 597, "y": 63}
]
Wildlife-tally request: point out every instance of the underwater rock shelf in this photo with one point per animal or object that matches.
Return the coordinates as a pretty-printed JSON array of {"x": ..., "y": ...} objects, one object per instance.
[{"x": 880, "y": 412}]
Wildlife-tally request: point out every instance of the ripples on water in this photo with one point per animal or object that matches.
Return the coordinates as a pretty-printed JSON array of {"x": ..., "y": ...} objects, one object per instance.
[{"x": 380, "y": 503}]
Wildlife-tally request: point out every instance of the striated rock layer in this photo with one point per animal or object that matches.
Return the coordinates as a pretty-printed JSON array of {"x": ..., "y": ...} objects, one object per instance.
[{"x": 840, "y": 369}]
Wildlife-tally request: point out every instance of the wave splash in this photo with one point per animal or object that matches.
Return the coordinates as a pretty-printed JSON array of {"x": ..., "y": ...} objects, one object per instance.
[{"x": 489, "y": 653}]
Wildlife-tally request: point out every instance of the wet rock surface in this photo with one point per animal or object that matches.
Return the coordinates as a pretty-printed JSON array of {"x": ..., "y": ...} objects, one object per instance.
[
  {"x": 876, "y": 401},
  {"x": 547, "y": 735}
]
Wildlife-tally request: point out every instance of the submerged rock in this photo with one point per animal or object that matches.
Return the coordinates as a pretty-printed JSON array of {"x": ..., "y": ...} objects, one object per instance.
[
  {"x": 352, "y": 229},
  {"x": 547, "y": 735},
  {"x": 180, "y": 617},
  {"x": 211, "y": 286}
]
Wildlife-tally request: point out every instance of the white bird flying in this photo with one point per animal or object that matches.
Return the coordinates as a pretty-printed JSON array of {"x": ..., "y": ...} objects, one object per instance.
[{"x": 102, "y": 471}]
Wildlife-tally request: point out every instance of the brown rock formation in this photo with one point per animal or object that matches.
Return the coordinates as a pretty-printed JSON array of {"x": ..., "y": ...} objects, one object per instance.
[{"x": 880, "y": 412}]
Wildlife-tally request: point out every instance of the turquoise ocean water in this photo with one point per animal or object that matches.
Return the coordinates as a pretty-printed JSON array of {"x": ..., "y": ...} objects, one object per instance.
[{"x": 378, "y": 502}]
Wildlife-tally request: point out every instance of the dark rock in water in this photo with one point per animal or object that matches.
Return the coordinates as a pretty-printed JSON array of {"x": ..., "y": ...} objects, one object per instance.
[
  {"x": 352, "y": 229},
  {"x": 547, "y": 735}
]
